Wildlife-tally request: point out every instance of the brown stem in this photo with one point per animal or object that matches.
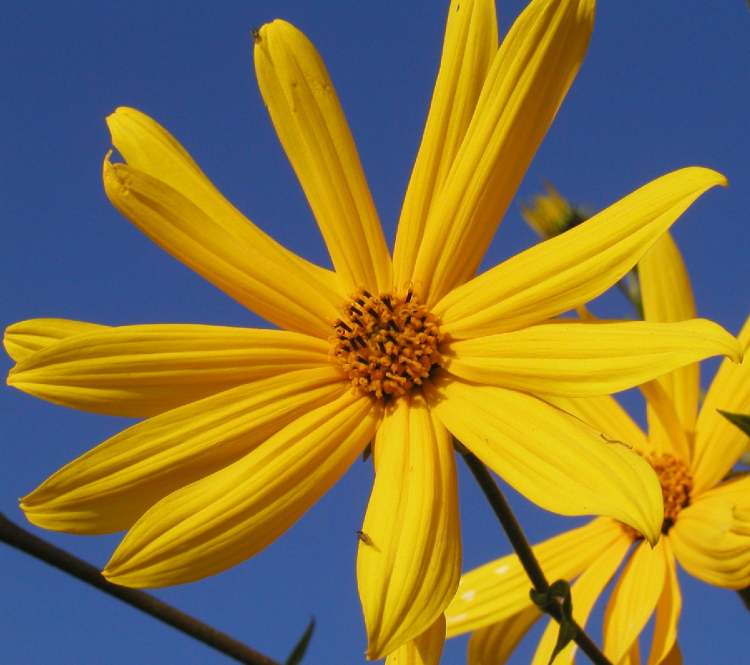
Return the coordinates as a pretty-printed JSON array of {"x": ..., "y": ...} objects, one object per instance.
[
  {"x": 24, "y": 541},
  {"x": 524, "y": 552}
]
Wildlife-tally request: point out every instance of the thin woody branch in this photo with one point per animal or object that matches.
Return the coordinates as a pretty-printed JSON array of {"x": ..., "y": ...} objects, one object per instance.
[
  {"x": 523, "y": 550},
  {"x": 15, "y": 536}
]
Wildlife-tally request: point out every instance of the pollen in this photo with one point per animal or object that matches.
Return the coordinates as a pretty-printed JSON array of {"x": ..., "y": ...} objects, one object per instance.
[
  {"x": 387, "y": 344},
  {"x": 676, "y": 486}
]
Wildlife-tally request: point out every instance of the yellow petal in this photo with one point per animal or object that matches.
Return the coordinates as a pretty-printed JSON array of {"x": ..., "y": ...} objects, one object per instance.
[
  {"x": 494, "y": 644},
  {"x": 581, "y": 359},
  {"x": 500, "y": 589},
  {"x": 312, "y": 128},
  {"x": 604, "y": 414},
  {"x": 553, "y": 459},
  {"x": 719, "y": 443},
  {"x": 409, "y": 558},
  {"x": 422, "y": 650},
  {"x": 633, "y": 657},
  {"x": 108, "y": 488},
  {"x": 232, "y": 514},
  {"x": 668, "y": 296},
  {"x": 674, "y": 657},
  {"x": 711, "y": 537},
  {"x": 146, "y": 146},
  {"x": 561, "y": 273},
  {"x": 633, "y": 599},
  {"x": 668, "y": 610},
  {"x": 666, "y": 432},
  {"x": 584, "y": 593},
  {"x": 144, "y": 370},
  {"x": 24, "y": 338},
  {"x": 526, "y": 83},
  {"x": 277, "y": 291},
  {"x": 469, "y": 47}
]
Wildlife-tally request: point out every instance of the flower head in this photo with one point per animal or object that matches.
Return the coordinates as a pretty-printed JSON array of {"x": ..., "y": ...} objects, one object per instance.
[
  {"x": 550, "y": 214},
  {"x": 247, "y": 428},
  {"x": 706, "y": 514}
]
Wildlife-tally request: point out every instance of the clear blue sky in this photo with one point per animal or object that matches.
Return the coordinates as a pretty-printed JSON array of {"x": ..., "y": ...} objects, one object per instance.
[{"x": 665, "y": 84}]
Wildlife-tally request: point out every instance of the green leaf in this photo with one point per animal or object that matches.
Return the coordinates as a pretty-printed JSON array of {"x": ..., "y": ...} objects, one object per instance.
[
  {"x": 740, "y": 420},
  {"x": 298, "y": 653}
]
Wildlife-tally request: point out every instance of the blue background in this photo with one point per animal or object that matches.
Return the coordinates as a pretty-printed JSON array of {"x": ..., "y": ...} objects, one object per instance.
[{"x": 664, "y": 85}]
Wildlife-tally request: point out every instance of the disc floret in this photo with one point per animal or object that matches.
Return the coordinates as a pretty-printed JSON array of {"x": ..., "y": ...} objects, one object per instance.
[
  {"x": 676, "y": 486},
  {"x": 387, "y": 344}
]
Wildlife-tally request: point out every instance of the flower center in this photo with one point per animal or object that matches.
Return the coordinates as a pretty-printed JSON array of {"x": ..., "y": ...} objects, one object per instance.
[
  {"x": 676, "y": 485},
  {"x": 387, "y": 344}
]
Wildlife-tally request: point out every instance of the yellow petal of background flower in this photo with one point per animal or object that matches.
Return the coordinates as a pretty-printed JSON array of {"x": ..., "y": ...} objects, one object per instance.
[
  {"x": 580, "y": 359},
  {"x": 718, "y": 443},
  {"x": 24, "y": 338},
  {"x": 553, "y": 459},
  {"x": 633, "y": 599},
  {"x": 494, "y": 644},
  {"x": 674, "y": 657},
  {"x": 277, "y": 291},
  {"x": 604, "y": 414},
  {"x": 584, "y": 592},
  {"x": 667, "y": 296},
  {"x": 499, "y": 589},
  {"x": 633, "y": 657},
  {"x": 409, "y": 561},
  {"x": 665, "y": 431},
  {"x": 147, "y": 369},
  {"x": 526, "y": 83},
  {"x": 109, "y": 487},
  {"x": 422, "y": 650},
  {"x": 312, "y": 129},
  {"x": 148, "y": 147},
  {"x": 568, "y": 270},
  {"x": 225, "y": 518},
  {"x": 711, "y": 537},
  {"x": 469, "y": 46},
  {"x": 668, "y": 610}
]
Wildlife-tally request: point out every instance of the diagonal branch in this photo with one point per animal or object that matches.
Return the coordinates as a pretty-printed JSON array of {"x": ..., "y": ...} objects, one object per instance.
[
  {"x": 526, "y": 555},
  {"x": 15, "y": 536}
]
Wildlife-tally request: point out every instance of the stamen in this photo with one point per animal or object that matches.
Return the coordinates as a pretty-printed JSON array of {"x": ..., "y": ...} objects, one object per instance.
[
  {"x": 676, "y": 486},
  {"x": 388, "y": 344}
]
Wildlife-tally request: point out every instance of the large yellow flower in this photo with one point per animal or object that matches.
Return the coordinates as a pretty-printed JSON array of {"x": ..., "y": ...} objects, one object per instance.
[
  {"x": 246, "y": 429},
  {"x": 706, "y": 519}
]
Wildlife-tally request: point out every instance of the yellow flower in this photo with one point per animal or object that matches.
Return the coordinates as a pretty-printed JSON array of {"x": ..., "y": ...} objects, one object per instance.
[
  {"x": 550, "y": 214},
  {"x": 706, "y": 515},
  {"x": 246, "y": 429}
]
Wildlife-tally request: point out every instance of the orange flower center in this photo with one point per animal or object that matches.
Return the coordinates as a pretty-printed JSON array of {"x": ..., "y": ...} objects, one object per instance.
[
  {"x": 387, "y": 344},
  {"x": 676, "y": 485}
]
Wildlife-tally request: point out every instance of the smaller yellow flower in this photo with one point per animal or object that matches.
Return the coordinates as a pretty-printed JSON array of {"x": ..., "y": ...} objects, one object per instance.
[
  {"x": 706, "y": 524},
  {"x": 550, "y": 214}
]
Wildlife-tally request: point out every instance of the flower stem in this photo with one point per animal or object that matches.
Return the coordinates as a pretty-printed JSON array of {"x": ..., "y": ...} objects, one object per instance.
[
  {"x": 15, "y": 536},
  {"x": 523, "y": 550}
]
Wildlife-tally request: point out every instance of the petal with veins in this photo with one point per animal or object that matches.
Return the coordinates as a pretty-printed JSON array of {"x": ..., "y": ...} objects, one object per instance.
[
  {"x": 409, "y": 564},
  {"x": 144, "y": 370},
  {"x": 230, "y": 515}
]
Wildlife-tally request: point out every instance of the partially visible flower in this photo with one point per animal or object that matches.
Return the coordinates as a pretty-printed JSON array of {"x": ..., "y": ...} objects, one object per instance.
[
  {"x": 706, "y": 519},
  {"x": 247, "y": 428},
  {"x": 550, "y": 214}
]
